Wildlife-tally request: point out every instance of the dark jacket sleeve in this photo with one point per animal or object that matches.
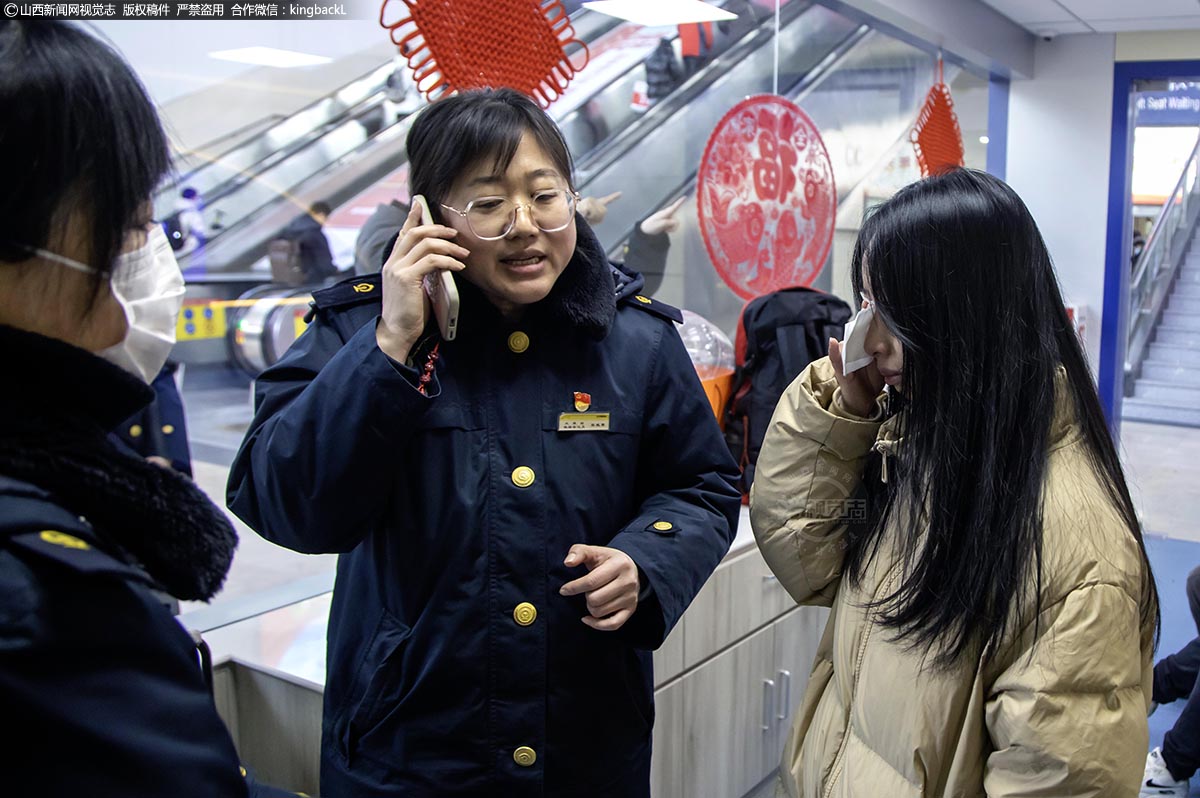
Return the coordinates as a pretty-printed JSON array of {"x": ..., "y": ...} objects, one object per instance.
[
  {"x": 688, "y": 517},
  {"x": 316, "y": 256},
  {"x": 314, "y": 470},
  {"x": 647, "y": 255}
]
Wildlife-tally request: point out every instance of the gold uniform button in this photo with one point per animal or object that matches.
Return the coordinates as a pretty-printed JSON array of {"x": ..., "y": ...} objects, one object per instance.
[
  {"x": 525, "y": 756},
  {"x": 663, "y": 526},
  {"x": 643, "y": 300},
  {"x": 168, "y": 429},
  {"x": 523, "y": 476},
  {"x": 243, "y": 771},
  {"x": 518, "y": 342},
  {"x": 525, "y": 614},
  {"x": 135, "y": 431}
]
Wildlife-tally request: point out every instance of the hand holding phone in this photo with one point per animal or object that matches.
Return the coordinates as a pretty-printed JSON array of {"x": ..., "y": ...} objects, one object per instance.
[{"x": 440, "y": 287}]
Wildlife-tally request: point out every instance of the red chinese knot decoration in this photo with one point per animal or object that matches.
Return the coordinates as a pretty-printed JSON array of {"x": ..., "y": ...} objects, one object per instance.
[
  {"x": 936, "y": 137},
  {"x": 767, "y": 200},
  {"x": 468, "y": 44}
]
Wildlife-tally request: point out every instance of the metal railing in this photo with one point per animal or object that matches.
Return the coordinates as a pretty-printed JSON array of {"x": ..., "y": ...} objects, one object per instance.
[{"x": 1160, "y": 260}]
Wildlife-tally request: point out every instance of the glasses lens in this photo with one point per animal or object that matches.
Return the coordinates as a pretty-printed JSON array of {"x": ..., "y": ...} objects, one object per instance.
[
  {"x": 553, "y": 210},
  {"x": 490, "y": 217}
]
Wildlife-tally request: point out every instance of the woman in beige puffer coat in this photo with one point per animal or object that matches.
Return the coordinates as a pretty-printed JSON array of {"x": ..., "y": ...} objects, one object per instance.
[{"x": 993, "y": 612}]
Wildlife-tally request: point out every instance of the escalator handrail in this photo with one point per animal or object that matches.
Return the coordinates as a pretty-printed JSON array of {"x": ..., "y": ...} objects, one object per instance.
[{"x": 615, "y": 148}]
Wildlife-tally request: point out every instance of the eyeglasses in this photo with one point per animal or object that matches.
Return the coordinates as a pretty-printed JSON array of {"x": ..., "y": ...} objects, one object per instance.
[{"x": 493, "y": 218}]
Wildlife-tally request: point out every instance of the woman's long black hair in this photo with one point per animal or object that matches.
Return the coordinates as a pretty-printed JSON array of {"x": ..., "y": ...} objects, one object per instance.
[{"x": 961, "y": 276}]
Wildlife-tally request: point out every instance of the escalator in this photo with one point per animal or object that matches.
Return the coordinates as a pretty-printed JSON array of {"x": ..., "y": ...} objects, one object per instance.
[
  {"x": 861, "y": 88},
  {"x": 336, "y": 160}
]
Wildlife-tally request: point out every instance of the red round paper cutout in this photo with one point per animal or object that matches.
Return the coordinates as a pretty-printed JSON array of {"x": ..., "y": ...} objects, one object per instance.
[{"x": 766, "y": 197}]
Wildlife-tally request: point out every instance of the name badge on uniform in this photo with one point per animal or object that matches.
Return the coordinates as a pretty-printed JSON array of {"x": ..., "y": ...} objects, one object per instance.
[{"x": 583, "y": 422}]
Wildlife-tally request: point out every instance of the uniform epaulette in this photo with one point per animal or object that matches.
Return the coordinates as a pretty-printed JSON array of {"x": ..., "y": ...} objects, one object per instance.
[
  {"x": 34, "y": 525},
  {"x": 354, "y": 291},
  {"x": 669, "y": 312}
]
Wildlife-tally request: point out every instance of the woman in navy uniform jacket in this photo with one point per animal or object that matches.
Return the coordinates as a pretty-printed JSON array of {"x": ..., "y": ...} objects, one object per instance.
[
  {"x": 101, "y": 690},
  {"x": 524, "y": 512}
]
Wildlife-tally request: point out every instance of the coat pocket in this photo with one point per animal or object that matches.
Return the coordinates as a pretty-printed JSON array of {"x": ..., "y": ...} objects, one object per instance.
[{"x": 375, "y": 689}]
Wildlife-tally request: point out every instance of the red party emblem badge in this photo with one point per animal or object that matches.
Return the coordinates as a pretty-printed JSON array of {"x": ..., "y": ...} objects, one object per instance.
[
  {"x": 582, "y": 401},
  {"x": 767, "y": 199}
]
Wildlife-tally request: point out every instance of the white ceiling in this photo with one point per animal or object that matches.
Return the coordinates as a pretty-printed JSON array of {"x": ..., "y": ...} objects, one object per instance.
[{"x": 1052, "y": 17}]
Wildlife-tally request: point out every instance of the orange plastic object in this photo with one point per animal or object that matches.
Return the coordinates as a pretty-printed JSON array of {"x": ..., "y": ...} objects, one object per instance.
[
  {"x": 717, "y": 383},
  {"x": 468, "y": 44},
  {"x": 936, "y": 136}
]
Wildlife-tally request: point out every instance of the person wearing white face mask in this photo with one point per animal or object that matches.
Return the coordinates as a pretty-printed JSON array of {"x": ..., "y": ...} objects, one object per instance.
[{"x": 100, "y": 681}]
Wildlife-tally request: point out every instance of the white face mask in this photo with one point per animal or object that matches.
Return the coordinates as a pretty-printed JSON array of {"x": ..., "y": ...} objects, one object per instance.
[
  {"x": 149, "y": 286},
  {"x": 854, "y": 352}
]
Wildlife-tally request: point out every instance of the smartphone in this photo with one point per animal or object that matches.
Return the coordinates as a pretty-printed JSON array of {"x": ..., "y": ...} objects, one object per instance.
[{"x": 440, "y": 287}]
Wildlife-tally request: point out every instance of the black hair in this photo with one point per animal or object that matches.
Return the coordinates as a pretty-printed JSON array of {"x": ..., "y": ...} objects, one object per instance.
[
  {"x": 78, "y": 134},
  {"x": 323, "y": 208},
  {"x": 456, "y": 133},
  {"x": 961, "y": 276}
]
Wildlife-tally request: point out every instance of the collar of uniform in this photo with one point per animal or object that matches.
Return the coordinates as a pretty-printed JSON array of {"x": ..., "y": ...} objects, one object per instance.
[{"x": 46, "y": 373}]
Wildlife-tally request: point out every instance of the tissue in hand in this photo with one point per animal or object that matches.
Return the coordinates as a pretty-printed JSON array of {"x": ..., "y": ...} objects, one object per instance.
[{"x": 854, "y": 354}]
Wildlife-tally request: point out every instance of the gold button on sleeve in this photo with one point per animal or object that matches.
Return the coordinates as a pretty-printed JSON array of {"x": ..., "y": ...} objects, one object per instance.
[
  {"x": 518, "y": 342},
  {"x": 525, "y": 756},
  {"x": 663, "y": 526},
  {"x": 525, "y": 614},
  {"x": 168, "y": 429},
  {"x": 135, "y": 431},
  {"x": 523, "y": 476}
]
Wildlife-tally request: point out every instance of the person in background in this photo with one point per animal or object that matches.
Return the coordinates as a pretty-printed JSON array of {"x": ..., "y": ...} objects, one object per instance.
[
  {"x": 316, "y": 258},
  {"x": 696, "y": 46},
  {"x": 158, "y": 432},
  {"x": 993, "y": 612},
  {"x": 522, "y": 513},
  {"x": 101, "y": 688},
  {"x": 375, "y": 234},
  {"x": 1169, "y": 767},
  {"x": 646, "y": 252},
  {"x": 663, "y": 72}
]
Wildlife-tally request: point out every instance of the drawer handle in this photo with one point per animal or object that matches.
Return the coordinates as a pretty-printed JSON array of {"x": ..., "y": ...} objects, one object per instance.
[
  {"x": 768, "y": 696},
  {"x": 785, "y": 678}
]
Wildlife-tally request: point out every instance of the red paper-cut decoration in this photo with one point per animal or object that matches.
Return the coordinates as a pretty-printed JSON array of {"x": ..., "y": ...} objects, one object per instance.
[
  {"x": 936, "y": 136},
  {"x": 766, "y": 197},
  {"x": 467, "y": 44}
]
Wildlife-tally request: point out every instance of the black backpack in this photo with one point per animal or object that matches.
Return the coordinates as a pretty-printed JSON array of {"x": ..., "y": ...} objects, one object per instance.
[
  {"x": 176, "y": 234},
  {"x": 778, "y": 335},
  {"x": 284, "y": 256}
]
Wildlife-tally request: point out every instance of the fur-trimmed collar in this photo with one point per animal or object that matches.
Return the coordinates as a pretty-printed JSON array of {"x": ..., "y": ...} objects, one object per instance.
[{"x": 56, "y": 410}]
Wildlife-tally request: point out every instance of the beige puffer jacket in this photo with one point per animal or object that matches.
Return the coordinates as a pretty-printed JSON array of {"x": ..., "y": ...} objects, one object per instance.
[{"x": 1060, "y": 714}]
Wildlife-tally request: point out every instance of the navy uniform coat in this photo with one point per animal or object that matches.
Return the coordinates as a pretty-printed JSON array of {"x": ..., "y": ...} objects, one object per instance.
[
  {"x": 101, "y": 689},
  {"x": 454, "y": 665}
]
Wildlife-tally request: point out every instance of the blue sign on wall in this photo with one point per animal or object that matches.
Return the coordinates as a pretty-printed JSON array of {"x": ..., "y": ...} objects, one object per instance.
[{"x": 1179, "y": 107}]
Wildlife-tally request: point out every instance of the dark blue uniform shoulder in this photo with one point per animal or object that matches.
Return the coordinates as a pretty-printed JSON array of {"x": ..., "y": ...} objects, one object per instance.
[
  {"x": 41, "y": 532},
  {"x": 653, "y": 306}
]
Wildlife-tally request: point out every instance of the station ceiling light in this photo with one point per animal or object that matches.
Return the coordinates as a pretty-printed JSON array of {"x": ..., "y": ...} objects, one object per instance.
[
  {"x": 269, "y": 56},
  {"x": 660, "y": 12}
]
